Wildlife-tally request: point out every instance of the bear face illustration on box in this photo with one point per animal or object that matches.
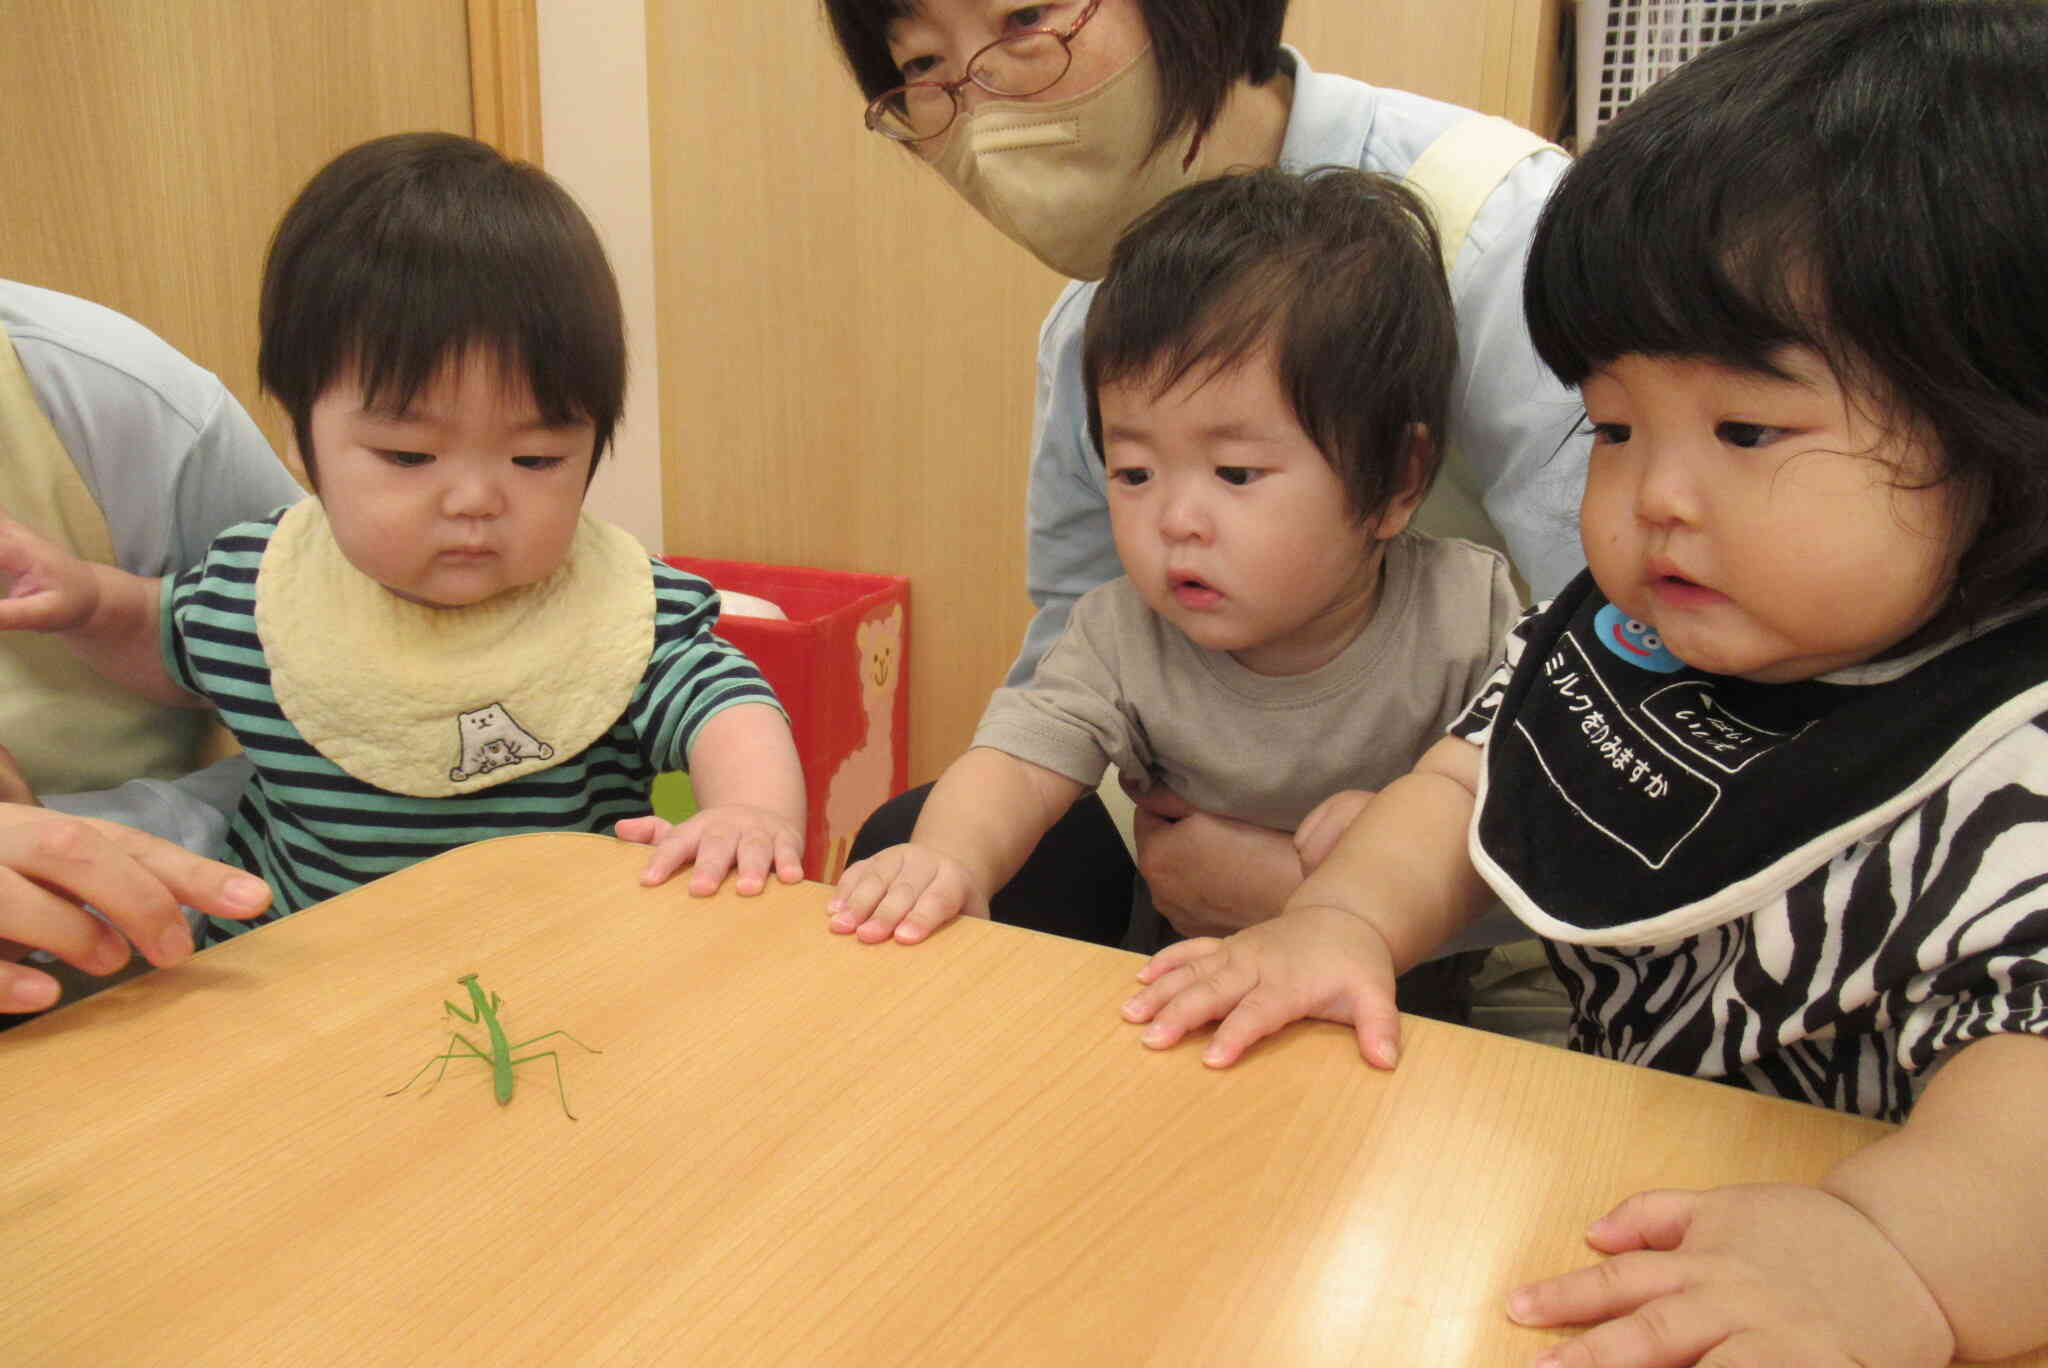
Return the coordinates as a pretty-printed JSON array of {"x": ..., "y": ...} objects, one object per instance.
[{"x": 491, "y": 739}]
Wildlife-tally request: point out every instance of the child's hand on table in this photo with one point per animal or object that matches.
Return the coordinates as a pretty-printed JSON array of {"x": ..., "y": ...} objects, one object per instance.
[
  {"x": 905, "y": 892},
  {"x": 1766, "y": 1274},
  {"x": 720, "y": 840},
  {"x": 1310, "y": 962}
]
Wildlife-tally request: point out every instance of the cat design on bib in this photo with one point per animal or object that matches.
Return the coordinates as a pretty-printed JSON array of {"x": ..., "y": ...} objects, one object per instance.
[{"x": 491, "y": 739}]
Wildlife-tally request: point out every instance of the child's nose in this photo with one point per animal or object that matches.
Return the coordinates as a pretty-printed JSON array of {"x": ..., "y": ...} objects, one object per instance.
[
  {"x": 473, "y": 496},
  {"x": 1182, "y": 518},
  {"x": 1665, "y": 492}
]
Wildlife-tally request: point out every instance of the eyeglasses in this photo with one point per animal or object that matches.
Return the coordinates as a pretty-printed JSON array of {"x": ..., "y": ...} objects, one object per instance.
[{"x": 1015, "y": 65}]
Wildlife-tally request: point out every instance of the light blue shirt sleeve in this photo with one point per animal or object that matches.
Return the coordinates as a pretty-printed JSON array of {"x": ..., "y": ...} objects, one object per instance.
[
  {"x": 173, "y": 459},
  {"x": 191, "y": 812}
]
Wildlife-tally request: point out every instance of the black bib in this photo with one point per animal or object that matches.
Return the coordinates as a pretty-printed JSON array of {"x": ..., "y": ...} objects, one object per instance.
[{"x": 1630, "y": 799}]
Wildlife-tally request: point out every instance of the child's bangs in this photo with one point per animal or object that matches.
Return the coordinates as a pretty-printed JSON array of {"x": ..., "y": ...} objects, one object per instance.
[
  {"x": 401, "y": 345},
  {"x": 1676, "y": 267},
  {"x": 1195, "y": 337}
]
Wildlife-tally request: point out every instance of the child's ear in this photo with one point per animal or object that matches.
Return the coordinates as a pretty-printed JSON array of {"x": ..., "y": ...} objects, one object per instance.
[{"x": 1417, "y": 461}]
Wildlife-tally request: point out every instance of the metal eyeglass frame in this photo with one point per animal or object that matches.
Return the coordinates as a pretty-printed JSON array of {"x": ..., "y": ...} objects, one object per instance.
[{"x": 951, "y": 89}]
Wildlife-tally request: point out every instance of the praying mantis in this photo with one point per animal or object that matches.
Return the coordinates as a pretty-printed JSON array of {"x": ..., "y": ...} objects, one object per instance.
[{"x": 500, "y": 1056}]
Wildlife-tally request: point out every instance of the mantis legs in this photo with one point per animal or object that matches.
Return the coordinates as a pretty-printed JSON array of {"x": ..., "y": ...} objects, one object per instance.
[{"x": 502, "y": 1056}]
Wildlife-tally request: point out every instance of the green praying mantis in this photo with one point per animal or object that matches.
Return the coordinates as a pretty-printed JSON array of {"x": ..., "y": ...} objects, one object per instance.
[{"x": 499, "y": 1056}]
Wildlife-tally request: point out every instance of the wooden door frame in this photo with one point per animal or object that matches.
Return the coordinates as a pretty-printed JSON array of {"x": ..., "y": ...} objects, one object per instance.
[{"x": 504, "y": 76}]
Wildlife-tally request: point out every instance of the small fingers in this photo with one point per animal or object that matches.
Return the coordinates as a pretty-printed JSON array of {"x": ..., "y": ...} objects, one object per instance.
[
  {"x": 673, "y": 846},
  {"x": 916, "y": 903},
  {"x": 717, "y": 850},
  {"x": 873, "y": 897},
  {"x": 1175, "y": 955},
  {"x": 1616, "y": 1286},
  {"x": 944, "y": 900},
  {"x": 894, "y": 901},
  {"x": 1188, "y": 995},
  {"x": 902, "y": 894},
  {"x": 646, "y": 830},
  {"x": 1377, "y": 1022},
  {"x": 1256, "y": 1016},
  {"x": 1657, "y": 1219},
  {"x": 765, "y": 850},
  {"x": 1665, "y": 1332},
  {"x": 861, "y": 886},
  {"x": 752, "y": 859},
  {"x": 789, "y": 857},
  {"x": 1165, "y": 976}
]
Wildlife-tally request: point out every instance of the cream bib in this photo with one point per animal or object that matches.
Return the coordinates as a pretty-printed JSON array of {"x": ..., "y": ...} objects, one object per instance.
[{"x": 431, "y": 702}]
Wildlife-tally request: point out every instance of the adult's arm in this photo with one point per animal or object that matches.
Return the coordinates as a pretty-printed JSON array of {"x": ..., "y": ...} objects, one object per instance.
[
  {"x": 1069, "y": 546},
  {"x": 170, "y": 455},
  {"x": 173, "y": 459},
  {"x": 1514, "y": 429}
]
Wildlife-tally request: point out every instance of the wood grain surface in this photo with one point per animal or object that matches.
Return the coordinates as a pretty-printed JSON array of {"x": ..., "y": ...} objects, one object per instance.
[{"x": 794, "y": 1149}]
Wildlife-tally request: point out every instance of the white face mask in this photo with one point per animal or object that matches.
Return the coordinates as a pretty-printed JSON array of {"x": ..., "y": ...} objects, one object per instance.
[{"x": 1064, "y": 179}]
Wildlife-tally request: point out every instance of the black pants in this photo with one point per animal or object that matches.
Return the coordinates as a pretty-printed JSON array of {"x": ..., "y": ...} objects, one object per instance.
[{"x": 1078, "y": 881}]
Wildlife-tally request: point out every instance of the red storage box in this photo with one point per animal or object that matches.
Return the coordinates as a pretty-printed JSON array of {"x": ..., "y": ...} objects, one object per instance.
[{"x": 838, "y": 666}]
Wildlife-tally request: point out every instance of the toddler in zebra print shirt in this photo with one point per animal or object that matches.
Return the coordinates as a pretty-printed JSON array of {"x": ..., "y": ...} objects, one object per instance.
[{"x": 1771, "y": 777}]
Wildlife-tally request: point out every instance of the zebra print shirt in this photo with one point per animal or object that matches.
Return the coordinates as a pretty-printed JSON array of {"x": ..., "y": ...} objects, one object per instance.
[
  {"x": 1850, "y": 988},
  {"x": 310, "y": 830}
]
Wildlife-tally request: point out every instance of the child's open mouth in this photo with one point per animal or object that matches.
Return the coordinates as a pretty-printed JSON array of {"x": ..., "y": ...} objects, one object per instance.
[
  {"x": 1679, "y": 592},
  {"x": 1190, "y": 592}
]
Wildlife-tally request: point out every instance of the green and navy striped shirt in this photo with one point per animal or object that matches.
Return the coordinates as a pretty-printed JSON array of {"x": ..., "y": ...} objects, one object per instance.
[{"x": 310, "y": 830}]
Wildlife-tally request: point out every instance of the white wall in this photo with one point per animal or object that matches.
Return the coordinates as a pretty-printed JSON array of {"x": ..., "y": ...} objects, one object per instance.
[{"x": 593, "y": 96}]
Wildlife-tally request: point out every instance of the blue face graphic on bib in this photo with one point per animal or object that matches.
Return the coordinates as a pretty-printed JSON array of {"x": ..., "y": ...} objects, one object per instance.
[{"x": 1635, "y": 642}]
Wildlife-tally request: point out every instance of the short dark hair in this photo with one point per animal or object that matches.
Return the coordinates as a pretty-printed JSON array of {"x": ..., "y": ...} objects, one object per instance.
[
  {"x": 1863, "y": 178},
  {"x": 408, "y": 250},
  {"x": 1338, "y": 272},
  {"x": 1202, "y": 47}
]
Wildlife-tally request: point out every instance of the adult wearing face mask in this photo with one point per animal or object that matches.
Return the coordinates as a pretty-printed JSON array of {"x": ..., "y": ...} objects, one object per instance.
[{"x": 1062, "y": 122}]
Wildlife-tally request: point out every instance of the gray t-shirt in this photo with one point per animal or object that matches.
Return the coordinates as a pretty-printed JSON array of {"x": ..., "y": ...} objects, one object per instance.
[{"x": 1124, "y": 687}]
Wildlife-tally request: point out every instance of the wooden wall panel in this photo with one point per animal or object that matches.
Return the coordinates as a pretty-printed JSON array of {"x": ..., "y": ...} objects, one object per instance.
[
  {"x": 504, "y": 76},
  {"x": 152, "y": 144},
  {"x": 1496, "y": 56},
  {"x": 847, "y": 349}
]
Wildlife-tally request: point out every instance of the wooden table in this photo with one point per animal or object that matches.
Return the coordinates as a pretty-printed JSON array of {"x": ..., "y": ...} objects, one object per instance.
[{"x": 794, "y": 1149}]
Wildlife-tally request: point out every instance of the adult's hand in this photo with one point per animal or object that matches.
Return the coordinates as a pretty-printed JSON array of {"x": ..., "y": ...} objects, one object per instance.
[
  {"x": 14, "y": 785},
  {"x": 51, "y": 865},
  {"x": 50, "y": 589},
  {"x": 1211, "y": 875}
]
